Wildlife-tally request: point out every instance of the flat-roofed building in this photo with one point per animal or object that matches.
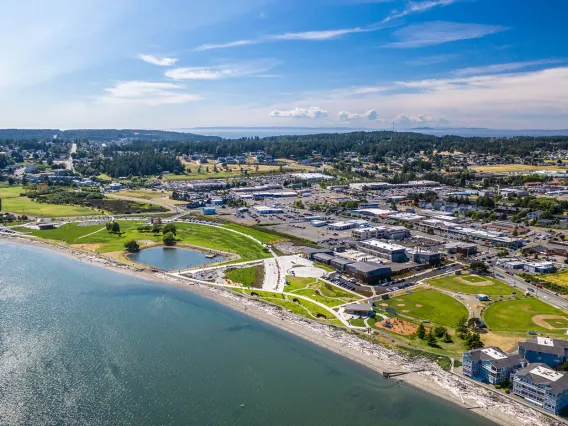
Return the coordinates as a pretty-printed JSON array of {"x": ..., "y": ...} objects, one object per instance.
[
  {"x": 542, "y": 386},
  {"x": 322, "y": 258},
  {"x": 465, "y": 249},
  {"x": 369, "y": 272},
  {"x": 361, "y": 309},
  {"x": 424, "y": 257},
  {"x": 342, "y": 226},
  {"x": 392, "y": 252},
  {"x": 340, "y": 263}
]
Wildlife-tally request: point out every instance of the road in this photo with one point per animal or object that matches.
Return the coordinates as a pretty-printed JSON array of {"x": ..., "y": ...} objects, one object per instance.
[{"x": 69, "y": 162}]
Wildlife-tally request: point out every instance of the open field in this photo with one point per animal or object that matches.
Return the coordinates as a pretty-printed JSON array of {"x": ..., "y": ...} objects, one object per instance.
[
  {"x": 317, "y": 290},
  {"x": 189, "y": 233},
  {"x": 142, "y": 194},
  {"x": 428, "y": 304},
  {"x": 525, "y": 314},
  {"x": 473, "y": 284},
  {"x": 264, "y": 237},
  {"x": 13, "y": 203},
  {"x": 234, "y": 171},
  {"x": 504, "y": 168},
  {"x": 249, "y": 277},
  {"x": 558, "y": 278},
  {"x": 303, "y": 307}
]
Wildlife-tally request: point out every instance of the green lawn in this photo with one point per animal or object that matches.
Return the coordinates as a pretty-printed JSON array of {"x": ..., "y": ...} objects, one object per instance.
[
  {"x": 13, "y": 203},
  {"x": 249, "y": 277},
  {"x": 265, "y": 237},
  {"x": 189, "y": 233},
  {"x": 455, "y": 283},
  {"x": 430, "y": 305},
  {"x": 328, "y": 295},
  {"x": 516, "y": 315}
]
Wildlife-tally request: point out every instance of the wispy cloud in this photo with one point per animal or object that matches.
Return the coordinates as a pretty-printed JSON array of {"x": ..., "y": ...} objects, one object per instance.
[
  {"x": 416, "y": 7},
  {"x": 499, "y": 68},
  {"x": 225, "y": 45},
  {"x": 318, "y": 35},
  {"x": 438, "y": 32},
  {"x": 219, "y": 72},
  {"x": 160, "y": 61},
  {"x": 312, "y": 112},
  {"x": 432, "y": 60},
  {"x": 147, "y": 93}
]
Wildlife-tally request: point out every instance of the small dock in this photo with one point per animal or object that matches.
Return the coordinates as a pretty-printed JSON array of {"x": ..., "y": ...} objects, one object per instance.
[{"x": 389, "y": 374}]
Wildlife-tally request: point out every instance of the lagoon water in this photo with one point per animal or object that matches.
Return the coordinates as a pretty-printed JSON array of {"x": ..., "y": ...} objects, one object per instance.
[
  {"x": 170, "y": 258},
  {"x": 83, "y": 345}
]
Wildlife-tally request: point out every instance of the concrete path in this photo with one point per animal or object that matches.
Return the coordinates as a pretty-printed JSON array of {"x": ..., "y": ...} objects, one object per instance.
[{"x": 271, "y": 274}]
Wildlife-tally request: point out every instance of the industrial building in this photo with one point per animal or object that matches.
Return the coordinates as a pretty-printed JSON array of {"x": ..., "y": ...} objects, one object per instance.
[
  {"x": 542, "y": 386},
  {"x": 341, "y": 226},
  {"x": 392, "y": 252},
  {"x": 268, "y": 210},
  {"x": 423, "y": 257}
]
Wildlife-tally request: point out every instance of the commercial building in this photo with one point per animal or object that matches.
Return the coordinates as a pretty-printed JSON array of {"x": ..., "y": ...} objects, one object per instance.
[
  {"x": 552, "y": 352},
  {"x": 361, "y": 309},
  {"x": 387, "y": 232},
  {"x": 529, "y": 266},
  {"x": 369, "y": 272},
  {"x": 340, "y": 263},
  {"x": 465, "y": 249},
  {"x": 341, "y": 226},
  {"x": 490, "y": 365},
  {"x": 311, "y": 252},
  {"x": 268, "y": 210},
  {"x": 318, "y": 223},
  {"x": 207, "y": 185},
  {"x": 392, "y": 252},
  {"x": 424, "y": 257},
  {"x": 476, "y": 234},
  {"x": 374, "y": 212},
  {"x": 542, "y": 386},
  {"x": 209, "y": 210},
  {"x": 311, "y": 177}
]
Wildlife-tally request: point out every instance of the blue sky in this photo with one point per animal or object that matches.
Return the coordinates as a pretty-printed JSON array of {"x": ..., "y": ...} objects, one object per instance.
[{"x": 313, "y": 63}]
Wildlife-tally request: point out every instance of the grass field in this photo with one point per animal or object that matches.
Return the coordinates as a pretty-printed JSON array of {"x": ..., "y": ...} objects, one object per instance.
[
  {"x": 473, "y": 284},
  {"x": 264, "y": 237},
  {"x": 558, "y": 278},
  {"x": 13, "y": 203},
  {"x": 235, "y": 171},
  {"x": 504, "y": 168},
  {"x": 249, "y": 277},
  {"x": 303, "y": 308},
  {"x": 143, "y": 194},
  {"x": 517, "y": 316},
  {"x": 316, "y": 290},
  {"x": 189, "y": 233},
  {"x": 428, "y": 304}
]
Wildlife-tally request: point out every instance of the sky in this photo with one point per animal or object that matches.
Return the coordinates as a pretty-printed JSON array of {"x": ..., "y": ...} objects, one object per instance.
[{"x": 172, "y": 64}]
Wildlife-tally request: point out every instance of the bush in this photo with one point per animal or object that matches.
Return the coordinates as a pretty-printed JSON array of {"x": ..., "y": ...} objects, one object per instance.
[
  {"x": 440, "y": 331},
  {"x": 497, "y": 386}
]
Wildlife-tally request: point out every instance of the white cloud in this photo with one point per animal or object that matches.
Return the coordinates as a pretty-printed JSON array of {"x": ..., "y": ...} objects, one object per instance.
[
  {"x": 370, "y": 115},
  {"x": 317, "y": 35},
  {"x": 499, "y": 68},
  {"x": 406, "y": 121},
  {"x": 417, "y": 7},
  {"x": 218, "y": 72},
  {"x": 224, "y": 45},
  {"x": 160, "y": 61},
  {"x": 148, "y": 93},
  {"x": 312, "y": 112},
  {"x": 432, "y": 60},
  {"x": 438, "y": 32}
]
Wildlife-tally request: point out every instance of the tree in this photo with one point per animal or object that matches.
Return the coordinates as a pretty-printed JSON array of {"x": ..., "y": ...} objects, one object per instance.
[
  {"x": 132, "y": 246},
  {"x": 473, "y": 341},
  {"x": 440, "y": 331},
  {"x": 446, "y": 338},
  {"x": 0, "y": 204},
  {"x": 421, "y": 331},
  {"x": 108, "y": 226},
  {"x": 170, "y": 227},
  {"x": 431, "y": 340},
  {"x": 169, "y": 239},
  {"x": 478, "y": 267},
  {"x": 156, "y": 229},
  {"x": 461, "y": 327},
  {"x": 115, "y": 228}
]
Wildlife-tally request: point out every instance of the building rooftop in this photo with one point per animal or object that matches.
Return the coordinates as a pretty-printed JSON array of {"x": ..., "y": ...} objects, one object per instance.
[
  {"x": 383, "y": 245},
  {"x": 367, "y": 266},
  {"x": 495, "y": 355},
  {"x": 546, "y": 345},
  {"x": 540, "y": 374}
]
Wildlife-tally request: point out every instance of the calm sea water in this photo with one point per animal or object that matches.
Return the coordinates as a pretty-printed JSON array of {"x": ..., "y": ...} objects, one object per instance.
[
  {"x": 82, "y": 345},
  {"x": 169, "y": 258}
]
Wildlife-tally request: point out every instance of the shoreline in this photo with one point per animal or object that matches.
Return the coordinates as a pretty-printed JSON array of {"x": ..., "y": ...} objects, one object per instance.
[{"x": 458, "y": 390}]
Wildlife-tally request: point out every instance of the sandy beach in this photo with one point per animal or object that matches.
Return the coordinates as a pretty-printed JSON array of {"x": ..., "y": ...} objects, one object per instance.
[{"x": 495, "y": 406}]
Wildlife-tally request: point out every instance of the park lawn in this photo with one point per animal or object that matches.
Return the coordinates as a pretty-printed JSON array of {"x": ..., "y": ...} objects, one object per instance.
[
  {"x": 264, "y": 237},
  {"x": 249, "y": 277},
  {"x": 516, "y": 315},
  {"x": 189, "y": 233},
  {"x": 330, "y": 297},
  {"x": 453, "y": 283},
  {"x": 303, "y": 308},
  {"x": 428, "y": 304},
  {"x": 13, "y": 203},
  {"x": 141, "y": 193},
  {"x": 324, "y": 267}
]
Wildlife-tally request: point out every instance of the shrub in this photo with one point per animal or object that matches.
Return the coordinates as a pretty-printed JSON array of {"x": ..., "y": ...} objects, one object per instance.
[
  {"x": 132, "y": 246},
  {"x": 169, "y": 239}
]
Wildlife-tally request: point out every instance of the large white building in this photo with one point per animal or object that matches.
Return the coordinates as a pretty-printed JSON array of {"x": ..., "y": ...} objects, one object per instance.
[
  {"x": 392, "y": 252},
  {"x": 311, "y": 177}
]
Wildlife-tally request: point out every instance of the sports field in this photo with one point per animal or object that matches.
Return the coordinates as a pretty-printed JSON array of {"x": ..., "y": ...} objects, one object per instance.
[
  {"x": 473, "y": 284},
  {"x": 189, "y": 233},
  {"x": 427, "y": 304},
  {"x": 525, "y": 314},
  {"x": 13, "y": 203}
]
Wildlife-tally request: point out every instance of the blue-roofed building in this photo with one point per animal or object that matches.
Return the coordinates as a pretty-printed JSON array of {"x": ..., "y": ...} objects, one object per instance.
[
  {"x": 209, "y": 210},
  {"x": 490, "y": 365},
  {"x": 542, "y": 386},
  {"x": 546, "y": 350}
]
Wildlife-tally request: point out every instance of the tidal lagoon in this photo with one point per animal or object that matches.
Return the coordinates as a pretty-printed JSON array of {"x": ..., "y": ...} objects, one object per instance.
[{"x": 80, "y": 344}]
